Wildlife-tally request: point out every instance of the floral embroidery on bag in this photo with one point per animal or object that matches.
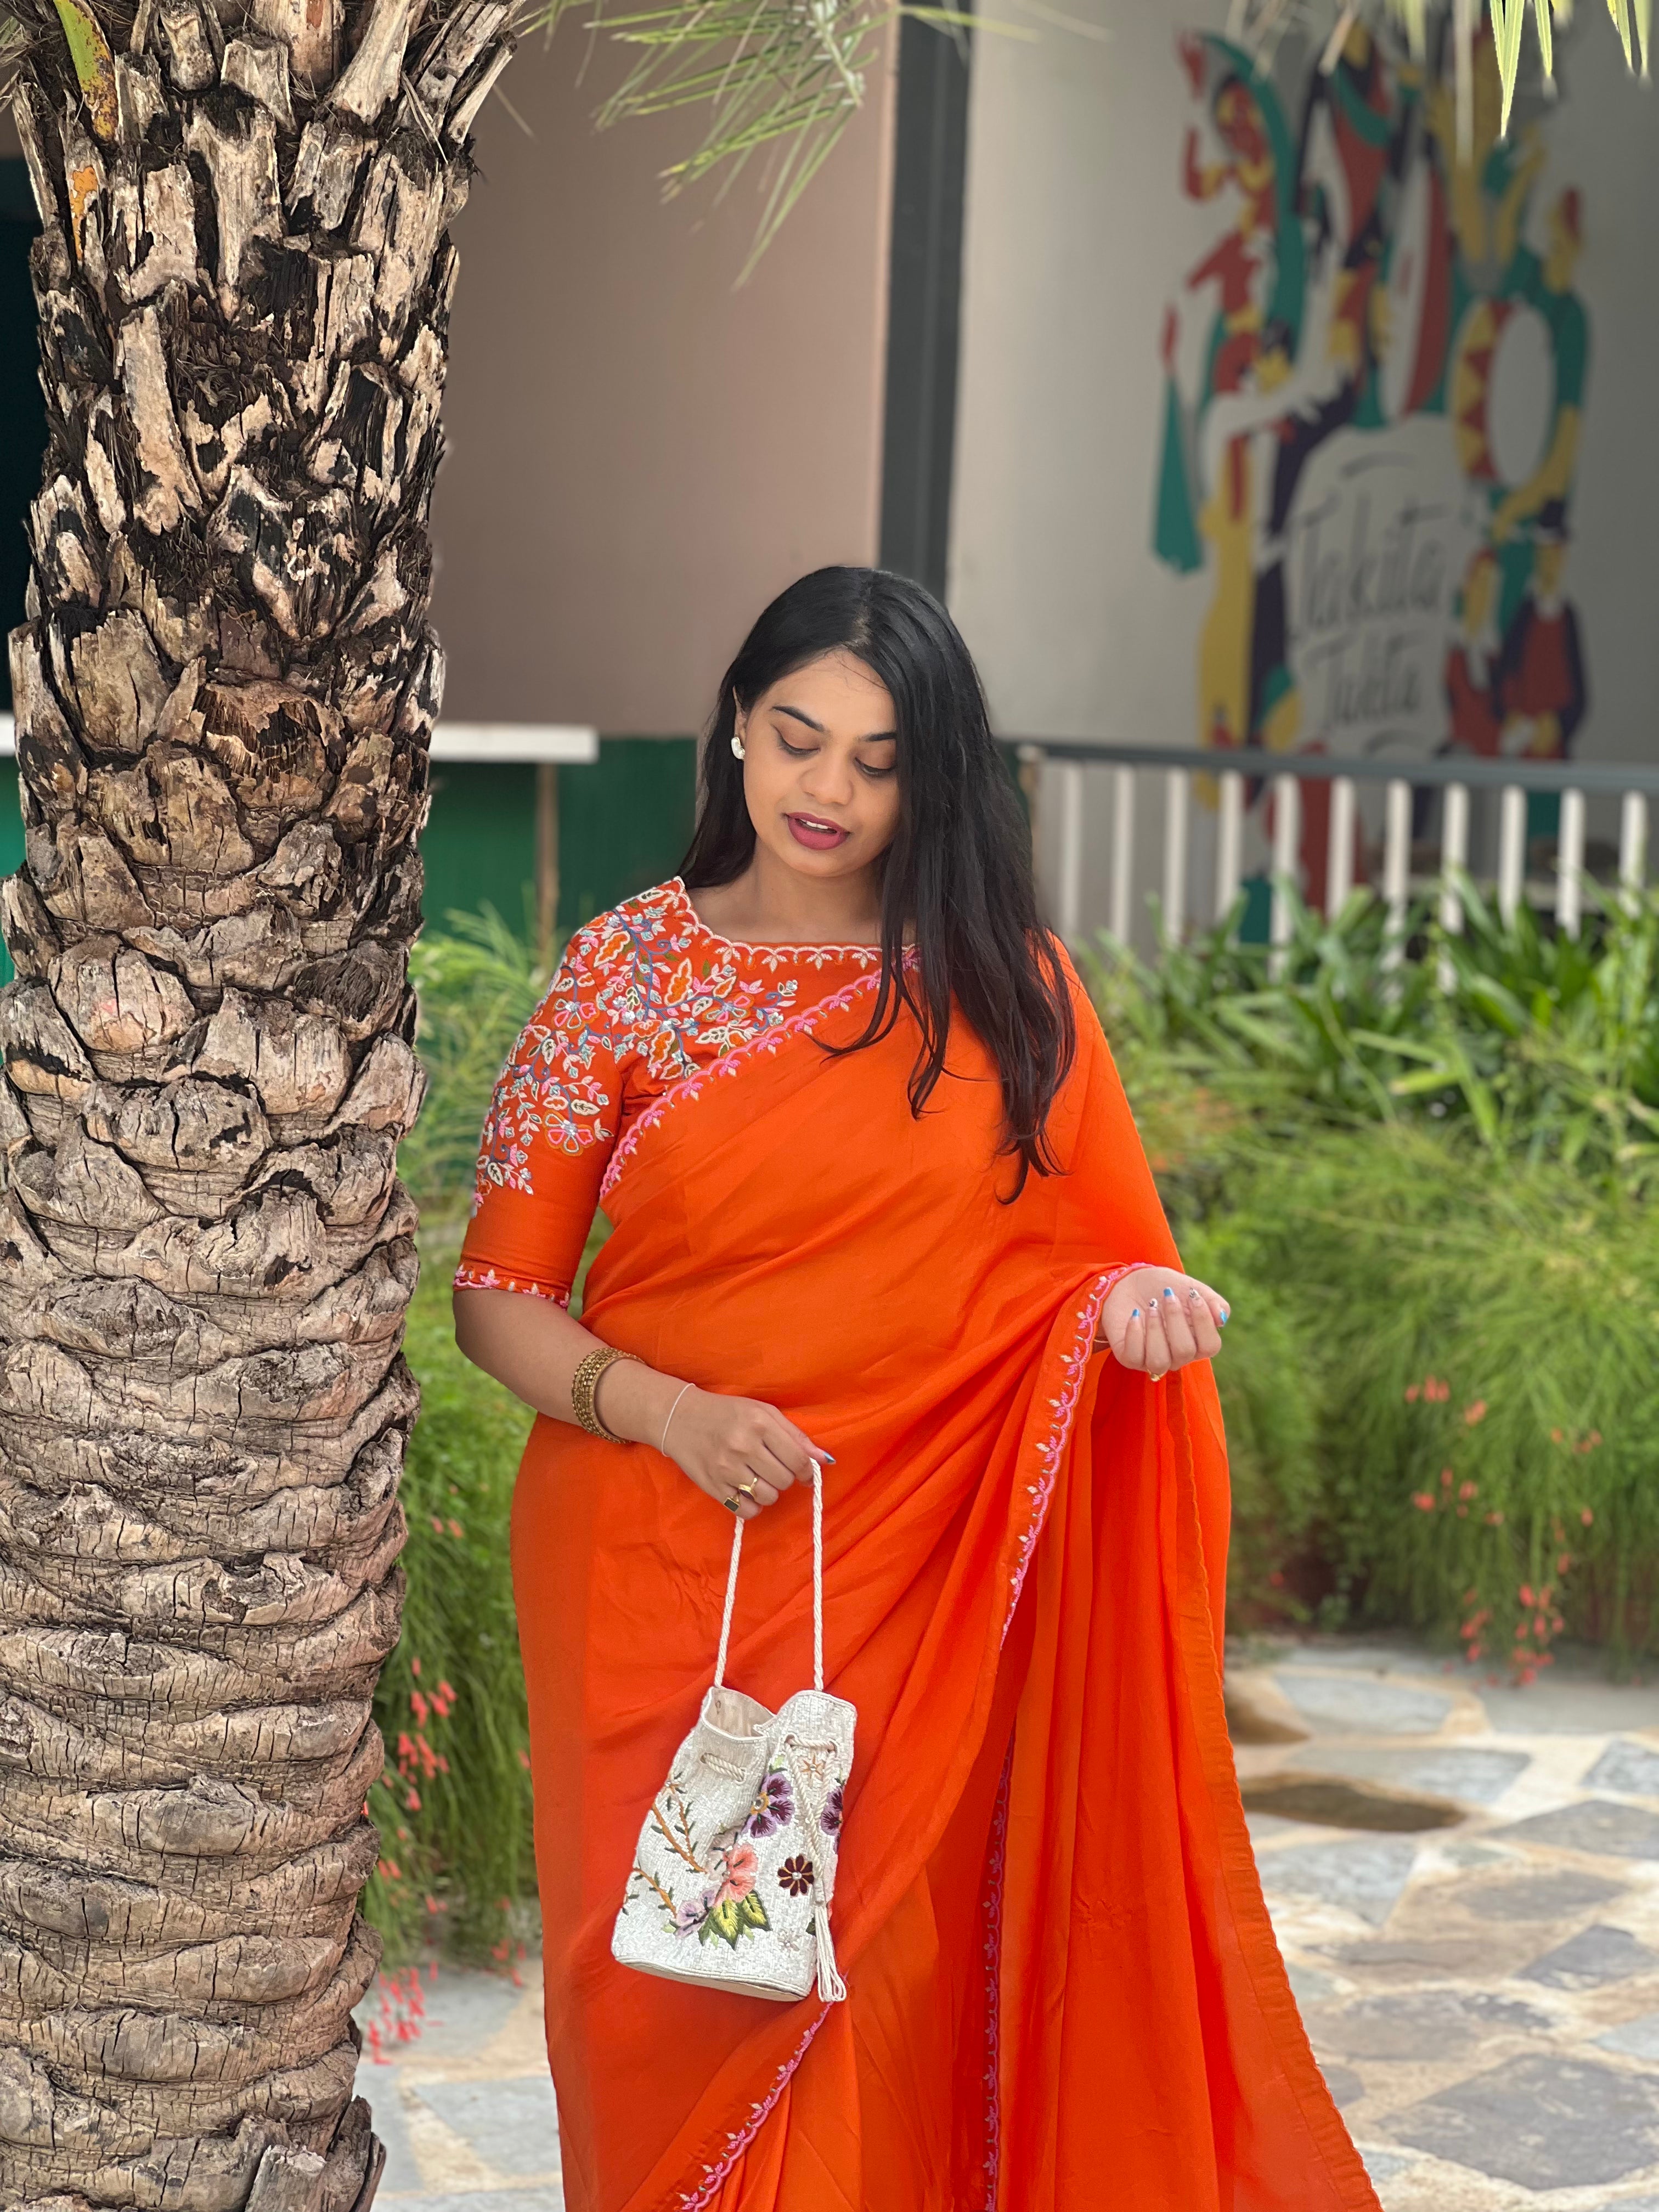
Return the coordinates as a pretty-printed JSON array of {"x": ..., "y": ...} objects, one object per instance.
[
  {"x": 724, "y": 1901},
  {"x": 795, "y": 1876},
  {"x": 774, "y": 1806},
  {"x": 723, "y": 1904}
]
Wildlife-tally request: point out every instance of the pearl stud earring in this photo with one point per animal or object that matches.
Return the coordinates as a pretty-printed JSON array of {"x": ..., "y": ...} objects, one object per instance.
[{"x": 736, "y": 746}]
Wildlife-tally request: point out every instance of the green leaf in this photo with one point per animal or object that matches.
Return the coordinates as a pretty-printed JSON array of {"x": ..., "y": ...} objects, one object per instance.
[
  {"x": 721, "y": 1920},
  {"x": 729, "y": 1919},
  {"x": 94, "y": 66}
]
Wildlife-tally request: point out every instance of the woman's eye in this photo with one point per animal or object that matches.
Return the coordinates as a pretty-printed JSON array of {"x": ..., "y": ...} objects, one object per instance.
[
  {"x": 795, "y": 752},
  {"x": 879, "y": 775}
]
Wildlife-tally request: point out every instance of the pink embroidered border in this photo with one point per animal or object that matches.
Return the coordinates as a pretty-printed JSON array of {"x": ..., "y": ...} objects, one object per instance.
[
  {"x": 690, "y": 1087},
  {"x": 740, "y": 2138},
  {"x": 470, "y": 1276},
  {"x": 1051, "y": 1447},
  {"x": 996, "y": 1856}
]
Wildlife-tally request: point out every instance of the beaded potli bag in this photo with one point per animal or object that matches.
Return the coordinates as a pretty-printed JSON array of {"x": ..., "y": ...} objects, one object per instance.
[{"x": 731, "y": 1883}]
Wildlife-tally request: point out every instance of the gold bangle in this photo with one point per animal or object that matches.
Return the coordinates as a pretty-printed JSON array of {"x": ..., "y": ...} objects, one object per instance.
[{"x": 586, "y": 1382}]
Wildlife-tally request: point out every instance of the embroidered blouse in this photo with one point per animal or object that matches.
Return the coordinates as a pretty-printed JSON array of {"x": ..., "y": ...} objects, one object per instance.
[{"x": 645, "y": 996}]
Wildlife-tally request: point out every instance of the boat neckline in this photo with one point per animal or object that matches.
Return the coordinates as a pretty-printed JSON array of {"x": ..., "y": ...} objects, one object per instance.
[{"x": 677, "y": 885}]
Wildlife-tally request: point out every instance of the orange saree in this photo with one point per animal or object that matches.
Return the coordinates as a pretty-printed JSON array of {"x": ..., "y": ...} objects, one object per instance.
[{"x": 1065, "y": 1992}]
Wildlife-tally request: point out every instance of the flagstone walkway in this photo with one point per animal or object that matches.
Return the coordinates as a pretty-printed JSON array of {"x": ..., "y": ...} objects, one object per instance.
[{"x": 1483, "y": 1992}]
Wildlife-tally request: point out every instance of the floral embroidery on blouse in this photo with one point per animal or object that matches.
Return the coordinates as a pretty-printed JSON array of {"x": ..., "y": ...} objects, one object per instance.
[
  {"x": 474, "y": 1275},
  {"x": 644, "y": 990}
]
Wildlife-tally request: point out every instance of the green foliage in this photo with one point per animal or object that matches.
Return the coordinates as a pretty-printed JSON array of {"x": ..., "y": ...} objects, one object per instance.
[
  {"x": 453, "y": 1809},
  {"x": 477, "y": 986},
  {"x": 1483, "y": 1341},
  {"x": 1422, "y": 1188},
  {"x": 1537, "y": 1046}
]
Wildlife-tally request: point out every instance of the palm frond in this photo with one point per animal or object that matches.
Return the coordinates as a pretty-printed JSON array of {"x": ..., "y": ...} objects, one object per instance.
[
  {"x": 780, "y": 78},
  {"x": 1259, "y": 24}
]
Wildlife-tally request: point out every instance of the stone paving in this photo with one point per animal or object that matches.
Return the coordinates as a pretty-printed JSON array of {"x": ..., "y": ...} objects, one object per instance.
[{"x": 1478, "y": 1965}]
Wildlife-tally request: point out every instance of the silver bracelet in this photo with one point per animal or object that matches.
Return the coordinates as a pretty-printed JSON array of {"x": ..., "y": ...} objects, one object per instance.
[{"x": 673, "y": 1410}]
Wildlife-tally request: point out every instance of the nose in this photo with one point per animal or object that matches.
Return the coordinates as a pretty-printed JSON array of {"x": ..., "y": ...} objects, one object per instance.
[{"x": 828, "y": 780}]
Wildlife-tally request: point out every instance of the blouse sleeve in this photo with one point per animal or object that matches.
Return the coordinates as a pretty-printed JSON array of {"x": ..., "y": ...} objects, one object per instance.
[{"x": 551, "y": 1130}]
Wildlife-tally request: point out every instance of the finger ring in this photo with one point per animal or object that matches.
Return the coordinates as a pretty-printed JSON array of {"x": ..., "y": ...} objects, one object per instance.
[
  {"x": 1159, "y": 1376},
  {"x": 731, "y": 1503},
  {"x": 748, "y": 1488}
]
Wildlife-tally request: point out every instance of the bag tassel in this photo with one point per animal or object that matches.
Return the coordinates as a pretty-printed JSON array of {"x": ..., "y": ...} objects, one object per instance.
[{"x": 831, "y": 1988}]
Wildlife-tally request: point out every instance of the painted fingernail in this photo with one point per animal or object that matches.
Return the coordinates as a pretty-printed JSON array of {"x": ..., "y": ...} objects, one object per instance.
[
  {"x": 1134, "y": 1313},
  {"x": 1168, "y": 1292},
  {"x": 829, "y": 1458},
  {"x": 1226, "y": 1316}
]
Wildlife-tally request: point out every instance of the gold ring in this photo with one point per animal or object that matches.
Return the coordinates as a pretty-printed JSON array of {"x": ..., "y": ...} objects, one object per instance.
[
  {"x": 731, "y": 1503},
  {"x": 748, "y": 1489},
  {"x": 1159, "y": 1376}
]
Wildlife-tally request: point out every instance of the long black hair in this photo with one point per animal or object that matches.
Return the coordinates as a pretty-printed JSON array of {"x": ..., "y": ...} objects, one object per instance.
[{"x": 958, "y": 875}]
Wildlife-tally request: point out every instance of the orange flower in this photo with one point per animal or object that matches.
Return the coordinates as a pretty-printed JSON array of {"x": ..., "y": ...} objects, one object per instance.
[
  {"x": 1422, "y": 1501},
  {"x": 1475, "y": 1413}
]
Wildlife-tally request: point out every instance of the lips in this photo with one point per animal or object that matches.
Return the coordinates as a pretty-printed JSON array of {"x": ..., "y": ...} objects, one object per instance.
[{"x": 815, "y": 833}]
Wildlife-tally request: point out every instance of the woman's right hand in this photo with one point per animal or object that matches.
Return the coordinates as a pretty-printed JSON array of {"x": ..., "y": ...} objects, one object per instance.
[{"x": 732, "y": 1445}]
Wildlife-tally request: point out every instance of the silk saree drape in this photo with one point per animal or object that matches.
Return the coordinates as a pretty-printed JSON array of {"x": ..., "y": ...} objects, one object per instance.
[{"x": 1065, "y": 1992}]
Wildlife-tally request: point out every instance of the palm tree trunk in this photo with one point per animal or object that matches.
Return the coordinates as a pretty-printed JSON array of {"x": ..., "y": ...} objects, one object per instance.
[{"x": 225, "y": 691}]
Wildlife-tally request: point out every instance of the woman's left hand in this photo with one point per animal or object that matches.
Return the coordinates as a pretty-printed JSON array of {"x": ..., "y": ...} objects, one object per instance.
[{"x": 1157, "y": 1319}]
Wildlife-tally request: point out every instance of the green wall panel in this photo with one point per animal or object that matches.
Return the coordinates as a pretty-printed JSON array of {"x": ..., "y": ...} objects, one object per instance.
[
  {"x": 480, "y": 842},
  {"x": 624, "y": 823}
]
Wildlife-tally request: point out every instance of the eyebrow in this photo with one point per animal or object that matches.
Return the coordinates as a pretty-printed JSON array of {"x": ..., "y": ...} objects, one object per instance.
[{"x": 875, "y": 738}]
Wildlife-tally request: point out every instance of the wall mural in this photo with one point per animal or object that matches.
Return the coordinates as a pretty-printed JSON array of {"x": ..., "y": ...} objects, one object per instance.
[{"x": 1374, "y": 383}]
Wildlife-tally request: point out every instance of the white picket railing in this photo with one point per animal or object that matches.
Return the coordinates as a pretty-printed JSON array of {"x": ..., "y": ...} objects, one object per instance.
[{"x": 1058, "y": 773}]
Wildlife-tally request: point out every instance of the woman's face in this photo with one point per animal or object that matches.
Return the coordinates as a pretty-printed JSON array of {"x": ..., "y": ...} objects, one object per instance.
[{"x": 818, "y": 772}]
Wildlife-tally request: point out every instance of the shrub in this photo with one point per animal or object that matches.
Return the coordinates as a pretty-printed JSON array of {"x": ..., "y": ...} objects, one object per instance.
[
  {"x": 1449, "y": 1268},
  {"x": 1536, "y": 1045},
  {"x": 477, "y": 986},
  {"x": 454, "y": 1806}
]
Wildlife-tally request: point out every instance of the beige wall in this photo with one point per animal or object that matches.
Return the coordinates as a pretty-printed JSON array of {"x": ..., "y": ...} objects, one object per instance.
[{"x": 639, "y": 455}]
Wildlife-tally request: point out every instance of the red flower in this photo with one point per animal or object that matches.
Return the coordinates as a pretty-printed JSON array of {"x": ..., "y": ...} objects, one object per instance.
[{"x": 796, "y": 1877}]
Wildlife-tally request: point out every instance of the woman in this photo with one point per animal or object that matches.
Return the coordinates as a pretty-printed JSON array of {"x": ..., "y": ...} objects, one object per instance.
[{"x": 877, "y": 1198}]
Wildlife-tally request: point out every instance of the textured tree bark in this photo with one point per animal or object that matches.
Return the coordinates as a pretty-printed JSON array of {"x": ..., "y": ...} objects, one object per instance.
[{"x": 225, "y": 691}]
